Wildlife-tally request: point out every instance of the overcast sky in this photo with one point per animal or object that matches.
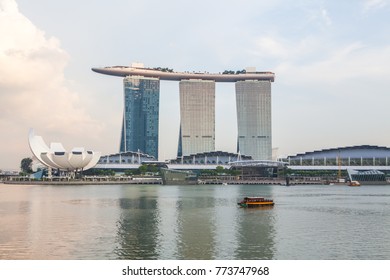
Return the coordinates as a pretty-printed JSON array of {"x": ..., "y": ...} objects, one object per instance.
[{"x": 331, "y": 60}]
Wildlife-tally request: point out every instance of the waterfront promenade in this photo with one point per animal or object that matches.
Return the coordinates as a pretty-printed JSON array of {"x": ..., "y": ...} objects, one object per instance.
[
  {"x": 115, "y": 180},
  {"x": 87, "y": 180},
  {"x": 259, "y": 181}
]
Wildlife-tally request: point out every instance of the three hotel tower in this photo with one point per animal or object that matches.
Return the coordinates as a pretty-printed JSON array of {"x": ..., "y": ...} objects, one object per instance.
[{"x": 197, "y": 110}]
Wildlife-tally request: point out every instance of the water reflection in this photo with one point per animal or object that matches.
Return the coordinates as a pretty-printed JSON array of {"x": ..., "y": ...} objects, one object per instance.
[
  {"x": 256, "y": 227},
  {"x": 226, "y": 222},
  {"x": 182, "y": 222},
  {"x": 166, "y": 223},
  {"x": 138, "y": 224},
  {"x": 202, "y": 222},
  {"x": 168, "y": 205},
  {"x": 14, "y": 220},
  {"x": 195, "y": 229},
  {"x": 51, "y": 222}
]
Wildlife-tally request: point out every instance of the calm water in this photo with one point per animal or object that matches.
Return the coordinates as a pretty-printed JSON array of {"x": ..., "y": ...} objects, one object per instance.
[{"x": 187, "y": 222}]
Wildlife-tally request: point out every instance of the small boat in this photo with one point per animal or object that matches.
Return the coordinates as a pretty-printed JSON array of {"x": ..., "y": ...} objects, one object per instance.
[
  {"x": 354, "y": 184},
  {"x": 249, "y": 202}
]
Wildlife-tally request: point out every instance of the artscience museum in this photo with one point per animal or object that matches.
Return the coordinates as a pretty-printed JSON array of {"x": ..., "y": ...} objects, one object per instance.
[{"x": 56, "y": 157}]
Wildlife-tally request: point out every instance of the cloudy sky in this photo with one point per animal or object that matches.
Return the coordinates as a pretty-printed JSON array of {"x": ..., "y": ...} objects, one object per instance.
[{"x": 331, "y": 60}]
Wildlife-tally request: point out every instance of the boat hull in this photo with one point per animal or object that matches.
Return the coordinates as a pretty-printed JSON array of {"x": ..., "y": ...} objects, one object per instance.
[{"x": 255, "y": 205}]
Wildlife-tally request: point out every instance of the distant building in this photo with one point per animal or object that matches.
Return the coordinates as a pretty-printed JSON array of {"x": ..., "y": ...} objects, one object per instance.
[
  {"x": 369, "y": 177},
  {"x": 140, "y": 115},
  {"x": 258, "y": 168},
  {"x": 253, "y": 101},
  {"x": 364, "y": 157},
  {"x": 209, "y": 158},
  {"x": 56, "y": 157},
  {"x": 197, "y": 117},
  {"x": 124, "y": 160}
]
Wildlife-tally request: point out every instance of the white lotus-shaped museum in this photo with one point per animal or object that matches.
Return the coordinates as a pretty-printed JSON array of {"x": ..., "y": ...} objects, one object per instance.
[{"x": 57, "y": 157}]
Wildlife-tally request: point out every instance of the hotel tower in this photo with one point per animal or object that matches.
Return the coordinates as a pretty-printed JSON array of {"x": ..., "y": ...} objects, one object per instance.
[
  {"x": 197, "y": 117},
  {"x": 140, "y": 115},
  {"x": 197, "y": 109},
  {"x": 253, "y": 102}
]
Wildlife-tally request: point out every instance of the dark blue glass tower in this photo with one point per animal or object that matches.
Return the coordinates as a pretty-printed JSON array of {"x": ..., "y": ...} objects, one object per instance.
[{"x": 141, "y": 115}]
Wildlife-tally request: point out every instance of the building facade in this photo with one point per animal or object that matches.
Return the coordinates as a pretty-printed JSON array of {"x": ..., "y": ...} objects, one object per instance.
[
  {"x": 253, "y": 102},
  {"x": 197, "y": 109},
  {"x": 140, "y": 115},
  {"x": 197, "y": 117},
  {"x": 363, "y": 157}
]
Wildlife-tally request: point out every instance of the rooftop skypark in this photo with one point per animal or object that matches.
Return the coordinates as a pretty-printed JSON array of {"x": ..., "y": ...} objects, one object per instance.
[{"x": 170, "y": 75}]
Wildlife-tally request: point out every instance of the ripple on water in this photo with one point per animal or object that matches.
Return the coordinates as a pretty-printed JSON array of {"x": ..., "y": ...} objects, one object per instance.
[{"x": 178, "y": 222}]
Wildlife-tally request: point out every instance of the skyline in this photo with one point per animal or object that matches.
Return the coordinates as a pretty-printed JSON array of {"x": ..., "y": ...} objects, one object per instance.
[
  {"x": 197, "y": 109},
  {"x": 330, "y": 59}
]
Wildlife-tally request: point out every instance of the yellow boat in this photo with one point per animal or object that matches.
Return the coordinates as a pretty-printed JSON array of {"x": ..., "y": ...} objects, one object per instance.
[{"x": 249, "y": 202}]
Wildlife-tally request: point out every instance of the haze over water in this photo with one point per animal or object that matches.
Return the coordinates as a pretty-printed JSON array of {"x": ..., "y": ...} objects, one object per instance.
[{"x": 193, "y": 222}]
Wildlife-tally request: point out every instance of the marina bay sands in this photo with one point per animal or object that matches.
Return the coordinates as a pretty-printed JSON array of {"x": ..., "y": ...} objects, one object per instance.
[{"x": 140, "y": 125}]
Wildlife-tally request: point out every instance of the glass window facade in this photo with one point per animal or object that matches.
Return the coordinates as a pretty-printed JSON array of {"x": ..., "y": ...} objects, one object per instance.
[
  {"x": 253, "y": 101},
  {"x": 141, "y": 115},
  {"x": 197, "y": 117}
]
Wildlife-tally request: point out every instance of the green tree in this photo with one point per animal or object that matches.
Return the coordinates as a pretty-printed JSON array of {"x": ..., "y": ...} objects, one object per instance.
[
  {"x": 130, "y": 172},
  {"x": 234, "y": 172},
  {"x": 220, "y": 169},
  {"x": 208, "y": 172},
  {"x": 152, "y": 168},
  {"x": 143, "y": 169},
  {"x": 26, "y": 165}
]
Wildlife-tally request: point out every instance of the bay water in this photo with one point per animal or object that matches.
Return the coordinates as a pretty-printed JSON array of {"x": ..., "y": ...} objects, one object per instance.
[{"x": 193, "y": 222}]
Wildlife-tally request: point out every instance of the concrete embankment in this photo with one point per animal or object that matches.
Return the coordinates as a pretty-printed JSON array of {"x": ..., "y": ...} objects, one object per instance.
[
  {"x": 158, "y": 181},
  {"x": 79, "y": 182},
  {"x": 259, "y": 182}
]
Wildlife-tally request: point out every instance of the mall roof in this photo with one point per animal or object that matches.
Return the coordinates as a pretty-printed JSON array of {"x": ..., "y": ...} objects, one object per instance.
[{"x": 366, "y": 151}]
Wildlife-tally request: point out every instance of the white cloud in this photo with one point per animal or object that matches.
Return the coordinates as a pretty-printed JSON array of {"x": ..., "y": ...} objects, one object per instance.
[
  {"x": 317, "y": 15},
  {"x": 353, "y": 61},
  {"x": 374, "y": 4},
  {"x": 341, "y": 87},
  {"x": 33, "y": 90},
  {"x": 318, "y": 60},
  {"x": 269, "y": 46},
  {"x": 9, "y": 5},
  {"x": 325, "y": 17}
]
